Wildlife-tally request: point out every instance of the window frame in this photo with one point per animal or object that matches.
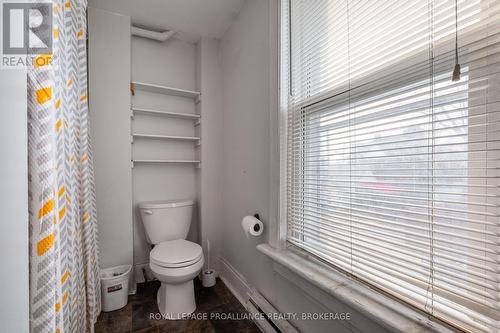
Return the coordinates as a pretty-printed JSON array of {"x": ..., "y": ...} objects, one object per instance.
[{"x": 284, "y": 94}]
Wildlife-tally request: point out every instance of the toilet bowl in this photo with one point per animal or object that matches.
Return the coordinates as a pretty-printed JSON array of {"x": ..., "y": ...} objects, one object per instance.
[{"x": 174, "y": 261}]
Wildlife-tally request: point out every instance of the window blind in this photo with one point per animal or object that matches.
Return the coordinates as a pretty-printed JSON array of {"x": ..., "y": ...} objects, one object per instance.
[{"x": 392, "y": 168}]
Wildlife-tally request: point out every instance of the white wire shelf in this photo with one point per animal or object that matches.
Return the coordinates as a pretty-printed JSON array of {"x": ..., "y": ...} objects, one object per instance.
[
  {"x": 191, "y": 116},
  {"x": 157, "y": 89},
  {"x": 165, "y": 137},
  {"x": 166, "y": 161}
]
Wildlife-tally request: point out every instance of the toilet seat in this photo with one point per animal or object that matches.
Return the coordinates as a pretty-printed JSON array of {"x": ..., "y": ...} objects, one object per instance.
[{"x": 176, "y": 254}]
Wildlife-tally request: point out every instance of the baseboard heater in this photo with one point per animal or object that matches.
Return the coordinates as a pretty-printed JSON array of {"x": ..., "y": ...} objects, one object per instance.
[{"x": 257, "y": 304}]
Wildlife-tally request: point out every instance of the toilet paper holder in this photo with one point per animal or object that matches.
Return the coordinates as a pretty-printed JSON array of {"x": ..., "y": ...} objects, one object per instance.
[{"x": 256, "y": 227}]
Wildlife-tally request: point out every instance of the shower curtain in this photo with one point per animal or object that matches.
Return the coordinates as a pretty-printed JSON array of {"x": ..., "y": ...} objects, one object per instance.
[{"x": 64, "y": 268}]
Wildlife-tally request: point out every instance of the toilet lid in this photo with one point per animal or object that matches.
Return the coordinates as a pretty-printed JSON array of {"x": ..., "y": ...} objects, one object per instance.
[{"x": 176, "y": 253}]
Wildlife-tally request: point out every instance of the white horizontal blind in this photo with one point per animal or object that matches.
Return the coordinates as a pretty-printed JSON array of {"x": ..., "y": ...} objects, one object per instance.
[{"x": 393, "y": 168}]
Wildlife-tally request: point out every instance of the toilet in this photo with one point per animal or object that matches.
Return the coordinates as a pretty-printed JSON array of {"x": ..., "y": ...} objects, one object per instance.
[{"x": 175, "y": 262}]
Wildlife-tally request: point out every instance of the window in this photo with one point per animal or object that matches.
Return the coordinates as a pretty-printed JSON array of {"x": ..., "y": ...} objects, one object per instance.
[{"x": 392, "y": 168}]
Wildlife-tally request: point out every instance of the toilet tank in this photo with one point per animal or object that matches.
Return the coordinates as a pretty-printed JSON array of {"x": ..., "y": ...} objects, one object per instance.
[{"x": 166, "y": 220}]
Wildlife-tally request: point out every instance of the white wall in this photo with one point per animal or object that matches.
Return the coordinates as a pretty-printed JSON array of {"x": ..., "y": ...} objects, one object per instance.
[
  {"x": 245, "y": 135},
  {"x": 171, "y": 63},
  {"x": 245, "y": 176},
  {"x": 209, "y": 73},
  {"x": 14, "y": 283},
  {"x": 109, "y": 97},
  {"x": 116, "y": 59}
]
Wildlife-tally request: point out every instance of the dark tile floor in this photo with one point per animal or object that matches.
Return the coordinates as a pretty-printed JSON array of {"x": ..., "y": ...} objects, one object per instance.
[{"x": 135, "y": 317}]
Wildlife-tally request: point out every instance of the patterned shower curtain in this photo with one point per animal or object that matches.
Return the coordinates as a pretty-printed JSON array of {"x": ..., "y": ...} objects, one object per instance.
[{"x": 64, "y": 268}]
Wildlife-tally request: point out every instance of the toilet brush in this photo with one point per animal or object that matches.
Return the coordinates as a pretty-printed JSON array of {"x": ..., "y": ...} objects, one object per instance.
[{"x": 208, "y": 275}]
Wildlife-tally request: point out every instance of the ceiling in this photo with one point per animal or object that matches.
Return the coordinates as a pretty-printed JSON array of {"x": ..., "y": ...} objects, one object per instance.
[{"x": 191, "y": 18}]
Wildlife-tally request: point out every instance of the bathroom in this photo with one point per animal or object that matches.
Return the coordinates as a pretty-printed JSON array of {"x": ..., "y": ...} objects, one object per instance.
[
  {"x": 195, "y": 160},
  {"x": 251, "y": 166}
]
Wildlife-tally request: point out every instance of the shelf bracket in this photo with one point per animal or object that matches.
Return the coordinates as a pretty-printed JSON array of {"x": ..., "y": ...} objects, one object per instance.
[
  {"x": 197, "y": 100},
  {"x": 132, "y": 89}
]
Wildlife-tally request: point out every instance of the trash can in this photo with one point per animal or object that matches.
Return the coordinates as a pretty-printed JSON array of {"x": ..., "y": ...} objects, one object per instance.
[{"x": 114, "y": 287}]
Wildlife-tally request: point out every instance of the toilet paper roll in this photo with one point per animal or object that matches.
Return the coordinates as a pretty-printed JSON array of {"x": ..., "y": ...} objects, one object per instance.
[{"x": 252, "y": 226}]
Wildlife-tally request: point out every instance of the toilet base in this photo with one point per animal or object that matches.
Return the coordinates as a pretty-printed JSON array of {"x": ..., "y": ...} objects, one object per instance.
[{"x": 176, "y": 301}]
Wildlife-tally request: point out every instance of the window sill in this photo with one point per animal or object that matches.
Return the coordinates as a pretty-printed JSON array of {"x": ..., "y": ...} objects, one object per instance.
[{"x": 386, "y": 311}]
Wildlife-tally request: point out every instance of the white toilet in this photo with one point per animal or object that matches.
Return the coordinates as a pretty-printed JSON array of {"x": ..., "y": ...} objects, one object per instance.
[{"x": 174, "y": 261}]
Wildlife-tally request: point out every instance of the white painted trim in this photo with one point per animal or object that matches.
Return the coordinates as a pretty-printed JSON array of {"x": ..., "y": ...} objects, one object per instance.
[
  {"x": 234, "y": 281},
  {"x": 283, "y": 90},
  {"x": 243, "y": 291},
  {"x": 274, "y": 123},
  {"x": 390, "y": 313},
  {"x": 266, "y": 307},
  {"x": 263, "y": 325},
  {"x": 239, "y": 287}
]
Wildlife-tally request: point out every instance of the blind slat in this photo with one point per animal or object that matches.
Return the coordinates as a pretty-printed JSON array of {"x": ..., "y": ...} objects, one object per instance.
[
  {"x": 393, "y": 169},
  {"x": 412, "y": 268}
]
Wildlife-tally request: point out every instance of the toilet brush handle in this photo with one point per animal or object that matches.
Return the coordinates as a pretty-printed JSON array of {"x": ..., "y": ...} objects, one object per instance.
[{"x": 208, "y": 254}]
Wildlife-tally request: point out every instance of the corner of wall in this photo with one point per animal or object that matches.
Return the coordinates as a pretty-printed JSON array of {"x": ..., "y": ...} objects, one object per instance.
[{"x": 14, "y": 285}]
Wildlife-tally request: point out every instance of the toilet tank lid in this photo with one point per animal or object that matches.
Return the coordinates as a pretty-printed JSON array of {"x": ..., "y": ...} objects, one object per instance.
[{"x": 165, "y": 204}]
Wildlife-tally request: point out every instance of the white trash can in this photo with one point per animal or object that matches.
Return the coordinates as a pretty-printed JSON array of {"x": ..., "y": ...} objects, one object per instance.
[{"x": 114, "y": 287}]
